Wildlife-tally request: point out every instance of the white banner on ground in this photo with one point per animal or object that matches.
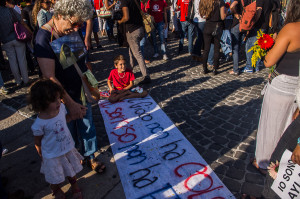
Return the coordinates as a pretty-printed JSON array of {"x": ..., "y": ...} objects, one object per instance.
[
  {"x": 154, "y": 159},
  {"x": 287, "y": 183}
]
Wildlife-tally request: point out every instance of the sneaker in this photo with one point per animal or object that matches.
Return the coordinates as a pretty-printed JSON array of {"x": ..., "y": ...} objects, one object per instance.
[
  {"x": 146, "y": 80},
  {"x": 155, "y": 55},
  {"x": 247, "y": 70},
  {"x": 3, "y": 90},
  {"x": 165, "y": 57}
]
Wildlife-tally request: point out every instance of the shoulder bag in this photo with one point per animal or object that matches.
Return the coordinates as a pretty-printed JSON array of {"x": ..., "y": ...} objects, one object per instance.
[
  {"x": 89, "y": 82},
  {"x": 104, "y": 13},
  {"x": 247, "y": 20},
  {"x": 22, "y": 33},
  {"x": 148, "y": 20}
]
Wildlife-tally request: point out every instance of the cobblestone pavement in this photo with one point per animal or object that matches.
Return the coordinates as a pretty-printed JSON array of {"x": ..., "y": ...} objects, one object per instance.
[{"x": 218, "y": 114}]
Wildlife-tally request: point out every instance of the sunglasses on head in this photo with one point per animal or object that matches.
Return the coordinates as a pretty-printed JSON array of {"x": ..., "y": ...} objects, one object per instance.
[{"x": 75, "y": 24}]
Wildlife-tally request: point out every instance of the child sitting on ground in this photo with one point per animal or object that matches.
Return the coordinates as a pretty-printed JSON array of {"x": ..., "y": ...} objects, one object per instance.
[
  {"x": 52, "y": 137},
  {"x": 122, "y": 79}
]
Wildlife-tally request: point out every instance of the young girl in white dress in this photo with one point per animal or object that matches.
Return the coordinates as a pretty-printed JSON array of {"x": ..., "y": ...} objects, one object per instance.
[{"x": 52, "y": 137}]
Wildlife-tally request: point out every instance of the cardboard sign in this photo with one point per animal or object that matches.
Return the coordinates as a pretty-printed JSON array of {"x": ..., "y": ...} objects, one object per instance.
[
  {"x": 287, "y": 183},
  {"x": 154, "y": 159}
]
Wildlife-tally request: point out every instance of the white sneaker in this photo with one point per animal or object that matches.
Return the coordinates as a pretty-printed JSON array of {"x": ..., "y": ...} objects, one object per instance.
[
  {"x": 165, "y": 57},
  {"x": 155, "y": 55},
  {"x": 3, "y": 91}
]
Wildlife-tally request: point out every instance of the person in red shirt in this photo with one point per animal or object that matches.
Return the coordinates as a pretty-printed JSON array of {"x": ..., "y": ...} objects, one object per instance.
[
  {"x": 185, "y": 25},
  {"x": 120, "y": 82},
  {"x": 158, "y": 9}
]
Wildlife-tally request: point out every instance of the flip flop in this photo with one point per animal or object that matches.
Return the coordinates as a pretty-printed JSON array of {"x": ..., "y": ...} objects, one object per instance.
[{"x": 255, "y": 165}]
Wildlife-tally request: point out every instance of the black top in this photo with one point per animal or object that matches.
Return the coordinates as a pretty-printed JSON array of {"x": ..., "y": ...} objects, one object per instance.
[
  {"x": 289, "y": 64},
  {"x": 26, "y": 15},
  {"x": 215, "y": 16},
  {"x": 263, "y": 21},
  {"x": 69, "y": 77},
  {"x": 135, "y": 19}
]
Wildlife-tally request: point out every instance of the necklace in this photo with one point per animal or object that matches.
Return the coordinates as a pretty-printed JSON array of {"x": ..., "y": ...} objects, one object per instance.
[{"x": 120, "y": 75}]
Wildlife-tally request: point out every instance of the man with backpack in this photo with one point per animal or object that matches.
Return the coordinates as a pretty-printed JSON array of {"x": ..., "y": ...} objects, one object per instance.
[{"x": 254, "y": 16}]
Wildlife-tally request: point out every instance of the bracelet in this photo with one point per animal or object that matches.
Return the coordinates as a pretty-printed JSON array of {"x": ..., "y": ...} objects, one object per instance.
[{"x": 298, "y": 141}]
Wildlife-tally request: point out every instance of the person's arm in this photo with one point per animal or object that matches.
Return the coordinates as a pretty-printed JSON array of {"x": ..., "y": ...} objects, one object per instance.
[
  {"x": 129, "y": 86},
  {"x": 37, "y": 144},
  {"x": 281, "y": 44},
  {"x": 109, "y": 7},
  {"x": 88, "y": 33},
  {"x": 47, "y": 67},
  {"x": 125, "y": 17},
  {"x": 223, "y": 13},
  {"x": 296, "y": 155},
  {"x": 109, "y": 85},
  {"x": 233, "y": 9}
]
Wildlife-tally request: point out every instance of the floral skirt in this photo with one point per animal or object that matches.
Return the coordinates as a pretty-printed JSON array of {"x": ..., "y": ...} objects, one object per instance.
[{"x": 57, "y": 169}]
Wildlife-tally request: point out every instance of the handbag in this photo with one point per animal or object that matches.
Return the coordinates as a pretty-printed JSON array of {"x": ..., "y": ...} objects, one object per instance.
[
  {"x": 21, "y": 32},
  {"x": 105, "y": 14},
  {"x": 148, "y": 20},
  {"x": 89, "y": 82}
]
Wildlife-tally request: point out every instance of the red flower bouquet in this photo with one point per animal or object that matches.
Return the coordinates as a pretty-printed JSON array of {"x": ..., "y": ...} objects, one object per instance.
[{"x": 263, "y": 44}]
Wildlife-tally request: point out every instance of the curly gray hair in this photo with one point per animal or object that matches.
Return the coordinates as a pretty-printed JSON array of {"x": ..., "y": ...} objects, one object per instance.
[{"x": 74, "y": 8}]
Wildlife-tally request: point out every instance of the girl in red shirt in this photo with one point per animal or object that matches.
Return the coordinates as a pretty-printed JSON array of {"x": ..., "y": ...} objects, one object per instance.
[{"x": 120, "y": 82}]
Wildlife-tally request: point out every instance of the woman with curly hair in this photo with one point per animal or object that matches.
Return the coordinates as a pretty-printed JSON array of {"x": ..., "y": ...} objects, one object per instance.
[
  {"x": 214, "y": 12},
  {"x": 40, "y": 12},
  {"x": 69, "y": 16},
  {"x": 279, "y": 95}
]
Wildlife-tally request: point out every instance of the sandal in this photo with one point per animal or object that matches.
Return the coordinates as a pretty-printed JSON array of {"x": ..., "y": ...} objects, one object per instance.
[
  {"x": 254, "y": 164},
  {"x": 77, "y": 194},
  {"x": 99, "y": 167}
]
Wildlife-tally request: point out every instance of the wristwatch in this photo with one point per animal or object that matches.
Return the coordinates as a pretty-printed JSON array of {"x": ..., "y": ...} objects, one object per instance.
[{"x": 298, "y": 141}]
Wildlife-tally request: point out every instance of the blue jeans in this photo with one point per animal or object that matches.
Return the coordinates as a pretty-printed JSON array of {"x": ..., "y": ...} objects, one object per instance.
[
  {"x": 83, "y": 132},
  {"x": 142, "y": 44},
  {"x": 210, "y": 59},
  {"x": 190, "y": 28},
  {"x": 236, "y": 37},
  {"x": 160, "y": 29},
  {"x": 109, "y": 27},
  {"x": 249, "y": 43},
  {"x": 199, "y": 42}
]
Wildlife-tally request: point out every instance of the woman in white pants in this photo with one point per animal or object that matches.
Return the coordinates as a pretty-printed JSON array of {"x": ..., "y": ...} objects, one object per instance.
[{"x": 15, "y": 50}]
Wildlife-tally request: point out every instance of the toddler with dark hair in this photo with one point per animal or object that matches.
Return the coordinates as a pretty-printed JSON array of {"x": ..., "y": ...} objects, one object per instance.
[
  {"x": 120, "y": 82},
  {"x": 52, "y": 137}
]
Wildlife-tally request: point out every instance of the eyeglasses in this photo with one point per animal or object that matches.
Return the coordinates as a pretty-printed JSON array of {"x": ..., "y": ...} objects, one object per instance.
[{"x": 75, "y": 24}]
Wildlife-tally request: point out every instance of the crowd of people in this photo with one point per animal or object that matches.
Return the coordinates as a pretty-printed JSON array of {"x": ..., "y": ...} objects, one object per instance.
[{"x": 64, "y": 133}]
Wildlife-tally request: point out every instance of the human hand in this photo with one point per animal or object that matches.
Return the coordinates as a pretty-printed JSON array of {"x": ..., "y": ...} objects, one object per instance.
[
  {"x": 87, "y": 43},
  {"x": 296, "y": 155},
  {"x": 76, "y": 110}
]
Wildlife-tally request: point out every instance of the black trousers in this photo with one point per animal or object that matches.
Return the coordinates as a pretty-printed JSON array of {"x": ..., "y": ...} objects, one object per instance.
[
  {"x": 287, "y": 141},
  {"x": 208, "y": 37}
]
